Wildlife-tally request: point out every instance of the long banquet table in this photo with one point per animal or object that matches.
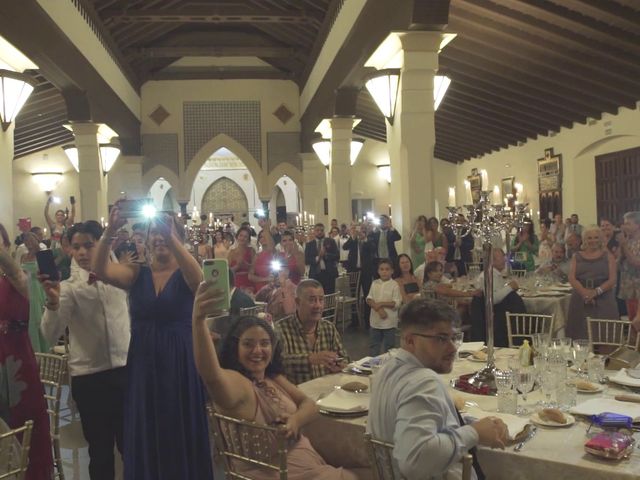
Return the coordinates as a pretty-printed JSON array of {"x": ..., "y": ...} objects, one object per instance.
[{"x": 553, "y": 454}]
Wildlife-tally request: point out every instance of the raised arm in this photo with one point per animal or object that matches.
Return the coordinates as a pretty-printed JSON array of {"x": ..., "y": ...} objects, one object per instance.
[
  {"x": 227, "y": 388},
  {"x": 191, "y": 271},
  {"x": 72, "y": 216},
  {"x": 117, "y": 274},
  {"x": 47, "y": 217}
]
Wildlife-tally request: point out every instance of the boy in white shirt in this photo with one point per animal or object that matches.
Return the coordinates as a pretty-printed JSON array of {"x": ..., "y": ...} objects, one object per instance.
[{"x": 384, "y": 299}]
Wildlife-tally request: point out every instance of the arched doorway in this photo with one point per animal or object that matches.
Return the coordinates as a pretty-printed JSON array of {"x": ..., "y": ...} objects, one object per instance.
[
  {"x": 223, "y": 198},
  {"x": 285, "y": 201},
  {"x": 162, "y": 194}
]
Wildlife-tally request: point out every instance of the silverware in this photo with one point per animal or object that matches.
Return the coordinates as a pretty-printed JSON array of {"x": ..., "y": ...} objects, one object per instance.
[{"x": 531, "y": 434}]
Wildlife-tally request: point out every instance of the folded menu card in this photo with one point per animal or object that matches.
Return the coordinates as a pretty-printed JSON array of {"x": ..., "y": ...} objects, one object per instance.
[{"x": 596, "y": 406}]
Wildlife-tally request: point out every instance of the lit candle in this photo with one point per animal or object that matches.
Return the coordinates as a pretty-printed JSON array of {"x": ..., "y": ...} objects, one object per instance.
[
  {"x": 467, "y": 192},
  {"x": 452, "y": 196},
  {"x": 519, "y": 191},
  {"x": 485, "y": 179},
  {"x": 45, "y": 232},
  {"x": 497, "y": 200},
  {"x": 531, "y": 213},
  {"x": 210, "y": 218},
  {"x": 313, "y": 219},
  {"x": 304, "y": 217},
  {"x": 102, "y": 221}
]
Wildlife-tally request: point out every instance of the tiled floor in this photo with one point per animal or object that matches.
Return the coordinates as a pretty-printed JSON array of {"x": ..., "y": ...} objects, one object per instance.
[{"x": 75, "y": 455}]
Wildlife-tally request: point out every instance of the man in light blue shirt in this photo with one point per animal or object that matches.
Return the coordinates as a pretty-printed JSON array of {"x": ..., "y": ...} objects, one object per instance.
[{"x": 410, "y": 406}]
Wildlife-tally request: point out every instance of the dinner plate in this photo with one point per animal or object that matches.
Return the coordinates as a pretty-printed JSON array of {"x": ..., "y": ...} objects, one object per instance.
[
  {"x": 342, "y": 402},
  {"x": 622, "y": 378},
  {"x": 471, "y": 358},
  {"x": 599, "y": 388},
  {"x": 535, "y": 418}
]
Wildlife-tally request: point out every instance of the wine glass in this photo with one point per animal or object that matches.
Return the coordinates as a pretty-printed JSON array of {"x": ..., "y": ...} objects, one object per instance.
[
  {"x": 565, "y": 346},
  {"x": 548, "y": 382},
  {"x": 581, "y": 349},
  {"x": 504, "y": 380},
  {"x": 525, "y": 380}
]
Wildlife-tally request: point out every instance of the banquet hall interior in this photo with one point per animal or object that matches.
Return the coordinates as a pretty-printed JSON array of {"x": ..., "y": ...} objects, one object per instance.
[{"x": 493, "y": 117}]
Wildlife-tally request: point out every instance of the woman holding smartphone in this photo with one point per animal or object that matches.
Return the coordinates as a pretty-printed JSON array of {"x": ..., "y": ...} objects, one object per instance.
[
  {"x": 166, "y": 434},
  {"x": 37, "y": 297}
]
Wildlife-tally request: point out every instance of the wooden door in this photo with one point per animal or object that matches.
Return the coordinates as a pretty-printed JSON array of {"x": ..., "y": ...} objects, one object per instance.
[{"x": 618, "y": 183}]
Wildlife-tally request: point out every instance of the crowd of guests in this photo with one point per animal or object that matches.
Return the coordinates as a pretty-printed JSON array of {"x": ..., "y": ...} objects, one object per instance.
[{"x": 135, "y": 314}]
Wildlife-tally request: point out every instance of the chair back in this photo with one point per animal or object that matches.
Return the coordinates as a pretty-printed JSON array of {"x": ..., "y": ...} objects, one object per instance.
[
  {"x": 518, "y": 273},
  {"x": 381, "y": 457},
  {"x": 14, "y": 454},
  {"x": 53, "y": 374},
  {"x": 354, "y": 283},
  {"x": 329, "y": 310},
  {"x": 604, "y": 332},
  {"x": 525, "y": 325},
  {"x": 473, "y": 268},
  {"x": 247, "y": 445},
  {"x": 253, "y": 311}
]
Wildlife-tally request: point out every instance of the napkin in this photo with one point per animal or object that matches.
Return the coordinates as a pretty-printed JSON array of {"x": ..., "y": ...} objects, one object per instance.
[
  {"x": 596, "y": 406},
  {"x": 342, "y": 401},
  {"x": 622, "y": 378},
  {"x": 471, "y": 347},
  {"x": 514, "y": 424}
]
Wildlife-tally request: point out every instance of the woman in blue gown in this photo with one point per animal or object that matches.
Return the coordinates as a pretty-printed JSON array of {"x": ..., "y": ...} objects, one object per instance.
[{"x": 166, "y": 435}]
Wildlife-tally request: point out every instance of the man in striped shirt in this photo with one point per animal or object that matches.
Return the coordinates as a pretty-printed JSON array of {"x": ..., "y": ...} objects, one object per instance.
[{"x": 311, "y": 346}]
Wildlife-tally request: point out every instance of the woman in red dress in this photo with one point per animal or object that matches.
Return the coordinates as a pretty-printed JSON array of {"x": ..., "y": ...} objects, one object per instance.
[
  {"x": 240, "y": 260},
  {"x": 21, "y": 392},
  {"x": 293, "y": 257}
]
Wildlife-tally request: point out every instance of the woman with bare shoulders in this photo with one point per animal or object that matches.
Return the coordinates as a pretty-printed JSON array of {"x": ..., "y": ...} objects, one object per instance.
[
  {"x": 240, "y": 260},
  {"x": 165, "y": 403}
]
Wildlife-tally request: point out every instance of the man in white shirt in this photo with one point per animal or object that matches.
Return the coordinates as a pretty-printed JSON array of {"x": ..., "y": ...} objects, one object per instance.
[
  {"x": 410, "y": 404},
  {"x": 501, "y": 286},
  {"x": 558, "y": 265},
  {"x": 97, "y": 317}
]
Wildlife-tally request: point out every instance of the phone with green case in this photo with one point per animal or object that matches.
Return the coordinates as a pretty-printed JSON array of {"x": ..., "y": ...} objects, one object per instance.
[{"x": 216, "y": 272}]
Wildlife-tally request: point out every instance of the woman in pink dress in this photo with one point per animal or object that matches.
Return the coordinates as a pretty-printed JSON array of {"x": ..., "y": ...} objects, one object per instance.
[
  {"x": 260, "y": 272},
  {"x": 293, "y": 257},
  {"x": 240, "y": 260},
  {"x": 248, "y": 383},
  {"x": 21, "y": 392}
]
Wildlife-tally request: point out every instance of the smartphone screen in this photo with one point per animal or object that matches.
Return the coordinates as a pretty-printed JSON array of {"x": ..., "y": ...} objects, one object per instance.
[
  {"x": 47, "y": 264},
  {"x": 131, "y": 208},
  {"x": 216, "y": 272}
]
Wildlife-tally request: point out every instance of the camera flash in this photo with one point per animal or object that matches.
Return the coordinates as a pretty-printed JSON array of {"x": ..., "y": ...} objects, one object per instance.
[
  {"x": 56, "y": 199},
  {"x": 149, "y": 211},
  {"x": 275, "y": 265}
]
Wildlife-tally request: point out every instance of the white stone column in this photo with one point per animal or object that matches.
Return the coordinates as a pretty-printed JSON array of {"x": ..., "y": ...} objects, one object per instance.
[
  {"x": 411, "y": 139},
  {"x": 339, "y": 177},
  {"x": 93, "y": 185},
  {"x": 6, "y": 181}
]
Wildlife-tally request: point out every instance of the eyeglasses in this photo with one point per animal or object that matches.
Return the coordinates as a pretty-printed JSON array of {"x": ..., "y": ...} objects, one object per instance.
[{"x": 456, "y": 338}]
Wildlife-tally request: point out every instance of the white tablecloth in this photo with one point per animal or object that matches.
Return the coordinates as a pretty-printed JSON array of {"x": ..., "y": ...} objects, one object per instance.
[
  {"x": 553, "y": 454},
  {"x": 556, "y": 306}
]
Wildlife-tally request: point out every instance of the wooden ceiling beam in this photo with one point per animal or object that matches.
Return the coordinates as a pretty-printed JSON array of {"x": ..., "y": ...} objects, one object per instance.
[
  {"x": 476, "y": 115},
  {"x": 321, "y": 37},
  {"x": 23, "y": 150},
  {"x": 568, "y": 20},
  {"x": 211, "y": 73},
  {"x": 42, "y": 105},
  {"x": 35, "y": 123},
  {"x": 612, "y": 13},
  {"x": 502, "y": 74},
  {"x": 516, "y": 103},
  {"x": 462, "y": 132},
  {"x": 507, "y": 114},
  {"x": 209, "y": 15},
  {"x": 48, "y": 133},
  {"x": 453, "y": 146},
  {"x": 216, "y": 51},
  {"x": 444, "y": 151},
  {"x": 571, "y": 40},
  {"x": 486, "y": 31}
]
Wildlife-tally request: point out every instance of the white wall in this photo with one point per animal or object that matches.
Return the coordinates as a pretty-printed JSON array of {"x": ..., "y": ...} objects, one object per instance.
[
  {"x": 28, "y": 200},
  {"x": 578, "y": 145}
]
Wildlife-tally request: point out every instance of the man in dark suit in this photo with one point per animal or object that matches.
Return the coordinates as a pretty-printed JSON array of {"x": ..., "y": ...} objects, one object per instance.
[
  {"x": 384, "y": 240},
  {"x": 361, "y": 259},
  {"x": 322, "y": 257}
]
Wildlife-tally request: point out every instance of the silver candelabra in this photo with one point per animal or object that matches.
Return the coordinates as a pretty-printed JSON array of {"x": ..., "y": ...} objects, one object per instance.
[{"x": 485, "y": 221}]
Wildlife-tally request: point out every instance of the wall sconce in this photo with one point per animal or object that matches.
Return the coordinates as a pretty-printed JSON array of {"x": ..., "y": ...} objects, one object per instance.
[
  {"x": 47, "y": 181},
  {"x": 383, "y": 87},
  {"x": 322, "y": 147},
  {"x": 15, "y": 88},
  {"x": 384, "y": 171},
  {"x": 109, "y": 153},
  {"x": 71, "y": 151}
]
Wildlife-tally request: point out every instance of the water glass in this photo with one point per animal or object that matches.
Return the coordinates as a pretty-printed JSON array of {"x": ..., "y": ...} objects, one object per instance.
[
  {"x": 558, "y": 365},
  {"x": 567, "y": 395},
  {"x": 504, "y": 380},
  {"x": 525, "y": 379},
  {"x": 548, "y": 383},
  {"x": 565, "y": 345},
  {"x": 581, "y": 349},
  {"x": 508, "y": 401},
  {"x": 595, "y": 368},
  {"x": 541, "y": 343}
]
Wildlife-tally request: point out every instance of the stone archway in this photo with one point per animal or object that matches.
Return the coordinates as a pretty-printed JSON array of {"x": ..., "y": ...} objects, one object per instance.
[{"x": 225, "y": 197}]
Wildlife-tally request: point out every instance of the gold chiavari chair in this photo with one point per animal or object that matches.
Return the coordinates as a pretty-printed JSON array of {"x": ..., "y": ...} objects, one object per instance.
[
  {"x": 242, "y": 445},
  {"x": 14, "y": 454},
  {"x": 53, "y": 371},
  {"x": 525, "y": 325},
  {"x": 381, "y": 457},
  {"x": 611, "y": 333}
]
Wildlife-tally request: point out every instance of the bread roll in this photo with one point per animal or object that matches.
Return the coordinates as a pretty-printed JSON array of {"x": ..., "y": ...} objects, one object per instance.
[
  {"x": 480, "y": 355},
  {"x": 584, "y": 385},
  {"x": 355, "y": 387},
  {"x": 552, "y": 415}
]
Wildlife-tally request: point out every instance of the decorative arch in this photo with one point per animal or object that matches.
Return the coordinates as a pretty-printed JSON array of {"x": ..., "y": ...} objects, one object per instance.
[
  {"x": 225, "y": 197},
  {"x": 212, "y": 146},
  {"x": 286, "y": 169},
  {"x": 599, "y": 143},
  {"x": 157, "y": 171}
]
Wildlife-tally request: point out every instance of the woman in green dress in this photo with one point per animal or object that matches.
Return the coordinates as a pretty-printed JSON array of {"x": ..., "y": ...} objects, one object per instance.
[
  {"x": 37, "y": 297},
  {"x": 526, "y": 242}
]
